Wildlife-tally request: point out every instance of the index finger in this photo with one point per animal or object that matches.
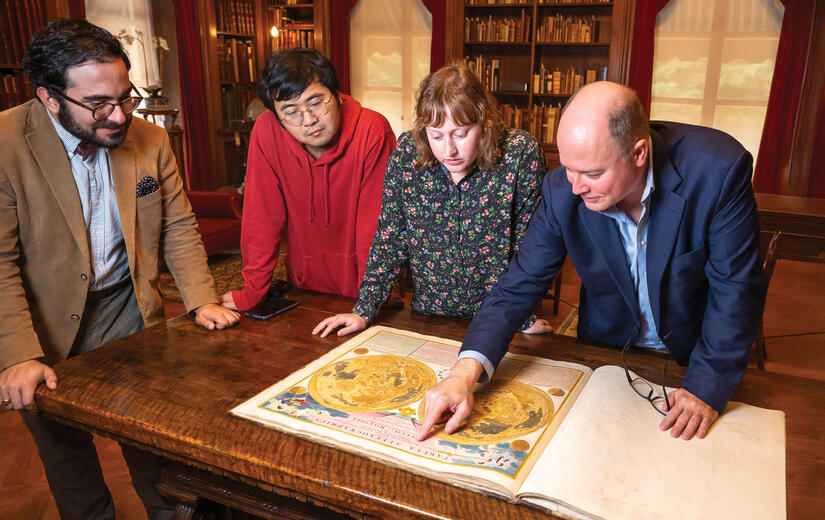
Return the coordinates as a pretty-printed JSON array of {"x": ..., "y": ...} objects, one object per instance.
[{"x": 432, "y": 413}]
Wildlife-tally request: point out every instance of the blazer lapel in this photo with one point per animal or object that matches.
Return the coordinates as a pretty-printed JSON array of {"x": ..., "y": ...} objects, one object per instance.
[
  {"x": 605, "y": 237},
  {"x": 124, "y": 173},
  {"x": 665, "y": 218},
  {"x": 48, "y": 152}
]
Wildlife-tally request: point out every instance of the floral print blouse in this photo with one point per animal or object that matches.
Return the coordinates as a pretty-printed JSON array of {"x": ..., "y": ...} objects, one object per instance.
[{"x": 458, "y": 239}]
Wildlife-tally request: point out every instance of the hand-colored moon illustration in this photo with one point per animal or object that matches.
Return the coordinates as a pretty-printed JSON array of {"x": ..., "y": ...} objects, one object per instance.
[
  {"x": 371, "y": 383},
  {"x": 503, "y": 410}
]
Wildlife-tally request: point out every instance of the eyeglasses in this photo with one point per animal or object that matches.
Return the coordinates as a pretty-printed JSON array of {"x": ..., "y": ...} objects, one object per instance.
[
  {"x": 640, "y": 386},
  {"x": 317, "y": 108},
  {"x": 102, "y": 111}
]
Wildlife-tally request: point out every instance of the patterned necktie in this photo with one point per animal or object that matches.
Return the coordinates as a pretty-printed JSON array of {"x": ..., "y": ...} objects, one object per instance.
[{"x": 86, "y": 149}]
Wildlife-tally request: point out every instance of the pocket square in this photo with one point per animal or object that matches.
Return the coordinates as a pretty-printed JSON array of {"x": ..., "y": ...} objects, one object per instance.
[{"x": 146, "y": 186}]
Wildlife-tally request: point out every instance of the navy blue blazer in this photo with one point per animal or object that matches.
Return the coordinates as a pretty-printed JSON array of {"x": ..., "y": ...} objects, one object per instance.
[{"x": 706, "y": 284}]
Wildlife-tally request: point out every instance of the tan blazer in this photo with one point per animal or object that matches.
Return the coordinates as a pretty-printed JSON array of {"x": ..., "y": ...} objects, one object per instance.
[{"x": 45, "y": 265}]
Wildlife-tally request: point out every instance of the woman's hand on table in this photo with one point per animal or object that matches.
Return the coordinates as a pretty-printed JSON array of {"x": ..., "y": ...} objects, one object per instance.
[{"x": 350, "y": 323}]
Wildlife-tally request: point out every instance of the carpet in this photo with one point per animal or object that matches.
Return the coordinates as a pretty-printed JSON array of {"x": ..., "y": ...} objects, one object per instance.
[
  {"x": 226, "y": 271},
  {"x": 569, "y": 325}
]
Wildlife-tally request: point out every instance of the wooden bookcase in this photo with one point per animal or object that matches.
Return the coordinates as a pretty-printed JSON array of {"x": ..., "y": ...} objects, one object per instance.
[
  {"x": 236, "y": 44},
  {"x": 530, "y": 52},
  {"x": 18, "y": 22}
]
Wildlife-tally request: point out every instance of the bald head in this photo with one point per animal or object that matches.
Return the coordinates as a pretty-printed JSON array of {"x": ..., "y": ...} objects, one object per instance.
[{"x": 604, "y": 110}]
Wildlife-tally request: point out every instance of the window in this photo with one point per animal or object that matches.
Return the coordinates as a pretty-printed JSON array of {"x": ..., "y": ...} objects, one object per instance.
[
  {"x": 713, "y": 64},
  {"x": 389, "y": 56}
]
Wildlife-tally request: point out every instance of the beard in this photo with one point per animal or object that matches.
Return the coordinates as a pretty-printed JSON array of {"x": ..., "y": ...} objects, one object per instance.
[{"x": 112, "y": 141}]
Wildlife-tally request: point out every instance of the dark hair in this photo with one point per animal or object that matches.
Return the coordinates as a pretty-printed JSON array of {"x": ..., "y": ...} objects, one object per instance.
[
  {"x": 453, "y": 90},
  {"x": 288, "y": 73},
  {"x": 61, "y": 44}
]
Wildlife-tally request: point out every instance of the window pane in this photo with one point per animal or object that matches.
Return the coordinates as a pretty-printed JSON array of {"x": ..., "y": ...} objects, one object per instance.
[
  {"x": 383, "y": 67},
  {"x": 681, "y": 113},
  {"x": 743, "y": 122},
  {"x": 385, "y": 102},
  {"x": 747, "y": 68},
  {"x": 680, "y": 67}
]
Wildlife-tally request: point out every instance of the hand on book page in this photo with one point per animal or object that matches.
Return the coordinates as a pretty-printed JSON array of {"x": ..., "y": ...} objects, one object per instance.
[
  {"x": 452, "y": 395},
  {"x": 688, "y": 415}
]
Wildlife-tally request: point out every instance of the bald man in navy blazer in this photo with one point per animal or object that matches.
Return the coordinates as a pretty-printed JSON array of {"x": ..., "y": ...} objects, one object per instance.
[{"x": 660, "y": 222}]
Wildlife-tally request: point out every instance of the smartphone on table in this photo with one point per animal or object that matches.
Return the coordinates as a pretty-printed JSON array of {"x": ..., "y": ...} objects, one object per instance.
[{"x": 271, "y": 307}]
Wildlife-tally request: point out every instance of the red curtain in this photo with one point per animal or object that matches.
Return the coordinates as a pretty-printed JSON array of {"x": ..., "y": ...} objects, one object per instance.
[
  {"x": 340, "y": 11},
  {"x": 771, "y": 170},
  {"x": 640, "y": 74},
  {"x": 816, "y": 182},
  {"x": 77, "y": 9},
  {"x": 193, "y": 102},
  {"x": 339, "y": 35},
  {"x": 438, "y": 8}
]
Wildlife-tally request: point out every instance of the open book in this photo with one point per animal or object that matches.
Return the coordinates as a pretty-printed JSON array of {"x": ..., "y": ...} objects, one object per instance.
[{"x": 554, "y": 435}]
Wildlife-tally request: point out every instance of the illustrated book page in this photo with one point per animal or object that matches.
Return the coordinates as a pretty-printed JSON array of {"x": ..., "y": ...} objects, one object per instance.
[
  {"x": 366, "y": 396},
  {"x": 610, "y": 460}
]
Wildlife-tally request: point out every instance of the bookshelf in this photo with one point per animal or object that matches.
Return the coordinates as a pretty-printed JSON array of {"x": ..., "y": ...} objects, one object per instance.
[
  {"x": 236, "y": 44},
  {"x": 18, "y": 22},
  {"x": 533, "y": 54}
]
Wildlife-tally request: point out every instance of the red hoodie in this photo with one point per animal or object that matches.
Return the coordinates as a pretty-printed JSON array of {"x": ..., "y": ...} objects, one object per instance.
[{"x": 329, "y": 206}]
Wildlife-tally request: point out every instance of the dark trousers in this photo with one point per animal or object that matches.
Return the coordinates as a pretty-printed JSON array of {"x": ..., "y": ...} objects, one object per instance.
[{"x": 69, "y": 456}]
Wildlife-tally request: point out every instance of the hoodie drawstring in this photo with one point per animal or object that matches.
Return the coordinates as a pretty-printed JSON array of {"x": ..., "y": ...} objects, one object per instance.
[
  {"x": 326, "y": 192},
  {"x": 312, "y": 192}
]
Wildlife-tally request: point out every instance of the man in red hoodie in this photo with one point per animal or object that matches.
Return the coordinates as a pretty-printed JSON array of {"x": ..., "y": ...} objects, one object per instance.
[{"x": 315, "y": 169}]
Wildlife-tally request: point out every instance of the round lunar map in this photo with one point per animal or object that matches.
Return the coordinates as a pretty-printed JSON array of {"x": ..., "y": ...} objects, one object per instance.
[
  {"x": 371, "y": 383},
  {"x": 503, "y": 410}
]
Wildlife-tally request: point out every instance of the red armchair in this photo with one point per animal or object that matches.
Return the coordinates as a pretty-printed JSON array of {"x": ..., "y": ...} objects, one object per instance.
[{"x": 219, "y": 219}]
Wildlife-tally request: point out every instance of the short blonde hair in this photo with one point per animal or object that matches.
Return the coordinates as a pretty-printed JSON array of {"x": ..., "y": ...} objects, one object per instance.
[{"x": 453, "y": 90}]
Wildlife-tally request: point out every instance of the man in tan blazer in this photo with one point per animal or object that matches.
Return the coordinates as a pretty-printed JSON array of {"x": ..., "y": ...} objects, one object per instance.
[{"x": 89, "y": 196}]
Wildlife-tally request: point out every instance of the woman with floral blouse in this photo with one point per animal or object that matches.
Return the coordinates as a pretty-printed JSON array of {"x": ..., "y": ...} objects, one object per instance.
[{"x": 459, "y": 192}]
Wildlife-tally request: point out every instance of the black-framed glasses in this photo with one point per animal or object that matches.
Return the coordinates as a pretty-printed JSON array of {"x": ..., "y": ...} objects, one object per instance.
[
  {"x": 317, "y": 108},
  {"x": 645, "y": 390},
  {"x": 102, "y": 111}
]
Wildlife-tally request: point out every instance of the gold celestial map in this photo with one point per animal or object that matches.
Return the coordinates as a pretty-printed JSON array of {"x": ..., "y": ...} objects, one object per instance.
[
  {"x": 503, "y": 410},
  {"x": 374, "y": 383}
]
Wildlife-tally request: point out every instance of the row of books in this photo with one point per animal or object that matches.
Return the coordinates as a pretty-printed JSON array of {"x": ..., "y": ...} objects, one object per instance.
[
  {"x": 19, "y": 20},
  {"x": 565, "y": 82},
  {"x": 234, "y": 100},
  {"x": 237, "y": 16},
  {"x": 487, "y": 71},
  {"x": 292, "y": 38},
  {"x": 568, "y": 29},
  {"x": 489, "y": 29},
  {"x": 14, "y": 90},
  {"x": 541, "y": 121},
  {"x": 236, "y": 60}
]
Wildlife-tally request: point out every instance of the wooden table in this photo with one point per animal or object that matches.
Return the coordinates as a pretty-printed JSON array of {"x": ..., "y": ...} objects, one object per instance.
[
  {"x": 801, "y": 220},
  {"x": 169, "y": 388}
]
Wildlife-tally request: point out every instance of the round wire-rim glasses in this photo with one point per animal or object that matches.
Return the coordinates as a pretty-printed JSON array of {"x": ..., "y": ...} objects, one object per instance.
[
  {"x": 316, "y": 108},
  {"x": 643, "y": 389},
  {"x": 102, "y": 111}
]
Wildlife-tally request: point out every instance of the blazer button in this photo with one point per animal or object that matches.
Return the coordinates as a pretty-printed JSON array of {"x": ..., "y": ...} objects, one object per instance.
[
  {"x": 83, "y": 276},
  {"x": 75, "y": 317}
]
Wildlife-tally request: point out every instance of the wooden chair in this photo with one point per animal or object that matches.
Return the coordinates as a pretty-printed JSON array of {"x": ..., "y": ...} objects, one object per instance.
[
  {"x": 555, "y": 293},
  {"x": 769, "y": 256}
]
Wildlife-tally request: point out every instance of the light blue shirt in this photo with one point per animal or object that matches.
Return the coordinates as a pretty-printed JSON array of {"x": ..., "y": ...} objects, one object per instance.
[
  {"x": 634, "y": 241},
  {"x": 93, "y": 178}
]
